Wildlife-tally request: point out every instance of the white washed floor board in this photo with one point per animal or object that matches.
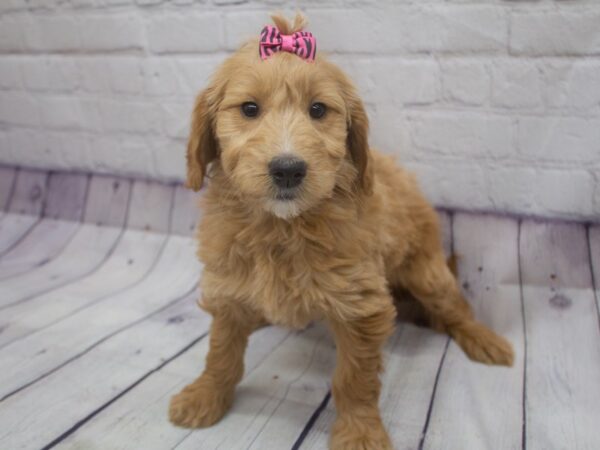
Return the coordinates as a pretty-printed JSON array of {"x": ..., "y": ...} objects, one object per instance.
[{"x": 99, "y": 328}]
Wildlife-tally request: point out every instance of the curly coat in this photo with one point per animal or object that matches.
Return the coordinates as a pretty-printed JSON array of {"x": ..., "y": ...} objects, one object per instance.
[{"x": 358, "y": 230}]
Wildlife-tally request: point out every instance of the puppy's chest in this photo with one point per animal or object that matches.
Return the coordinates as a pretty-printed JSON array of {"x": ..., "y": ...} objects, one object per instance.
[
  {"x": 290, "y": 273},
  {"x": 287, "y": 283},
  {"x": 290, "y": 282}
]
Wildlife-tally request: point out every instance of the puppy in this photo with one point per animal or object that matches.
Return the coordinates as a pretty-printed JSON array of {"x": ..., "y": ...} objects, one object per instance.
[{"x": 303, "y": 222}]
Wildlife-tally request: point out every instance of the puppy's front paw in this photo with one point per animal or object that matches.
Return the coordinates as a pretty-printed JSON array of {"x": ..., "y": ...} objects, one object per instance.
[
  {"x": 483, "y": 345},
  {"x": 200, "y": 404},
  {"x": 359, "y": 434}
]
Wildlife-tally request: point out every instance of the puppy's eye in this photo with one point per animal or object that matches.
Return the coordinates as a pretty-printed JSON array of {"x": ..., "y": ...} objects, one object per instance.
[
  {"x": 317, "y": 110},
  {"x": 250, "y": 109}
]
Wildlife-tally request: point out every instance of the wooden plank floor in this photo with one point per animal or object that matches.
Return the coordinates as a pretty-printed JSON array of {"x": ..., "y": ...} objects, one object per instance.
[{"x": 99, "y": 328}]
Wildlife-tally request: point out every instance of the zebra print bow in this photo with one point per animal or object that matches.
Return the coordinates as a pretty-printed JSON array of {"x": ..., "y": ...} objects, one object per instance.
[{"x": 302, "y": 43}]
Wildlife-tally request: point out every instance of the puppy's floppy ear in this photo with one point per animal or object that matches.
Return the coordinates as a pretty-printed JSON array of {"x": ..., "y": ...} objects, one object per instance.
[
  {"x": 358, "y": 140},
  {"x": 202, "y": 145}
]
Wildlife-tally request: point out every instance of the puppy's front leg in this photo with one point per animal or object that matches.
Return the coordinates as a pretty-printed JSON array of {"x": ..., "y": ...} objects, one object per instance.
[
  {"x": 356, "y": 383},
  {"x": 207, "y": 399}
]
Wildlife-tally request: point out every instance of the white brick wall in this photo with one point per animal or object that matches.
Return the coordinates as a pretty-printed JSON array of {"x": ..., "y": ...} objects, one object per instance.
[{"x": 495, "y": 104}]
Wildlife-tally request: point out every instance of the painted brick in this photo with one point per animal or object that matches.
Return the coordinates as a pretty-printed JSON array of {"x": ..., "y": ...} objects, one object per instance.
[
  {"x": 573, "y": 85},
  {"x": 184, "y": 33},
  {"x": 128, "y": 156},
  {"x": 230, "y": 2},
  {"x": 54, "y": 150},
  {"x": 445, "y": 29},
  {"x": 161, "y": 77},
  {"x": 495, "y": 104},
  {"x": 511, "y": 188},
  {"x": 516, "y": 84},
  {"x": 112, "y": 32},
  {"x": 126, "y": 76},
  {"x": 149, "y": 2},
  {"x": 7, "y": 155},
  {"x": 18, "y": 109},
  {"x": 389, "y": 131},
  {"x": 395, "y": 80},
  {"x": 30, "y": 145},
  {"x": 556, "y": 32},
  {"x": 72, "y": 149},
  {"x": 69, "y": 113},
  {"x": 131, "y": 117},
  {"x": 176, "y": 118},
  {"x": 93, "y": 74},
  {"x": 13, "y": 5},
  {"x": 43, "y": 149},
  {"x": 11, "y": 35},
  {"x": 465, "y": 81},
  {"x": 56, "y": 74},
  {"x": 82, "y": 3},
  {"x": 444, "y": 184},
  {"x": 195, "y": 73},
  {"x": 10, "y": 74},
  {"x": 465, "y": 135},
  {"x": 53, "y": 34},
  {"x": 41, "y": 5},
  {"x": 561, "y": 139},
  {"x": 169, "y": 159},
  {"x": 454, "y": 29},
  {"x": 117, "y": 2},
  {"x": 560, "y": 192},
  {"x": 240, "y": 27}
]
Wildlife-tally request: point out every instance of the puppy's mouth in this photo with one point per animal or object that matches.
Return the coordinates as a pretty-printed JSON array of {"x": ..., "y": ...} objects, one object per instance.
[
  {"x": 286, "y": 194},
  {"x": 285, "y": 203}
]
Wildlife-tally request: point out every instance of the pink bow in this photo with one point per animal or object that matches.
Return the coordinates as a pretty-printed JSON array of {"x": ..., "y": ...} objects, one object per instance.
[{"x": 302, "y": 43}]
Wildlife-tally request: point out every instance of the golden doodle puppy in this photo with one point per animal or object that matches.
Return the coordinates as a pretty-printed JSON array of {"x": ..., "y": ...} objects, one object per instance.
[{"x": 303, "y": 221}]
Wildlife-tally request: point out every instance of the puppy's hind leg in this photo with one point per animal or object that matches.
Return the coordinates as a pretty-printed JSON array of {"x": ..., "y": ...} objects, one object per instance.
[
  {"x": 432, "y": 283},
  {"x": 203, "y": 402}
]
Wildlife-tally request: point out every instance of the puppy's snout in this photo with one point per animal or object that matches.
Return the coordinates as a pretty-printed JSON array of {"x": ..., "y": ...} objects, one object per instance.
[{"x": 287, "y": 171}]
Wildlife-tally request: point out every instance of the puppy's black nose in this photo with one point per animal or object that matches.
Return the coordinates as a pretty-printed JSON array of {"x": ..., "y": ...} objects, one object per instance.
[{"x": 287, "y": 171}]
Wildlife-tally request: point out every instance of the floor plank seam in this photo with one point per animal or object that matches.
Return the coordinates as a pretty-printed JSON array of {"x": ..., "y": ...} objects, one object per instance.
[
  {"x": 95, "y": 344},
  {"x": 43, "y": 262},
  {"x": 111, "y": 251},
  {"x": 21, "y": 238},
  {"x": 46, "y": 190},
  {"x": 13, "y": 187},
  {"x": 43, "y": 214},
  {"x": 287, "y": 390},
  {"x": 443, "y": 358},
  {"x": 67, "y": 283},
  {"x": 75, "y": 280},
  {"x": 311, "y": 421},
  {"x": 33, "y": 225},
  {"x": 83, "y": 276},
  {"x": 310, "y": 430},
  {"x": 67, "y": 242},
  {"x": 432, "y": 398},
  {"x": 98, "y": 410},
  {"x": 86, "y": 197},
  {"x": 187, "y": 435},
  {"x": 595, "y": 287},
  {"x": 524, "y": 325}
]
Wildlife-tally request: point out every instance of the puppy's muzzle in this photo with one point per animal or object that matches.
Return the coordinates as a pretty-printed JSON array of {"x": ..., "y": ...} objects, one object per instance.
[{"x": 287, "y": 172}]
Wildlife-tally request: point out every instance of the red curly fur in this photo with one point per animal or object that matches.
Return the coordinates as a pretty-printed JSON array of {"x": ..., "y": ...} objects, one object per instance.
[{"x": 359, "y": 229}]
